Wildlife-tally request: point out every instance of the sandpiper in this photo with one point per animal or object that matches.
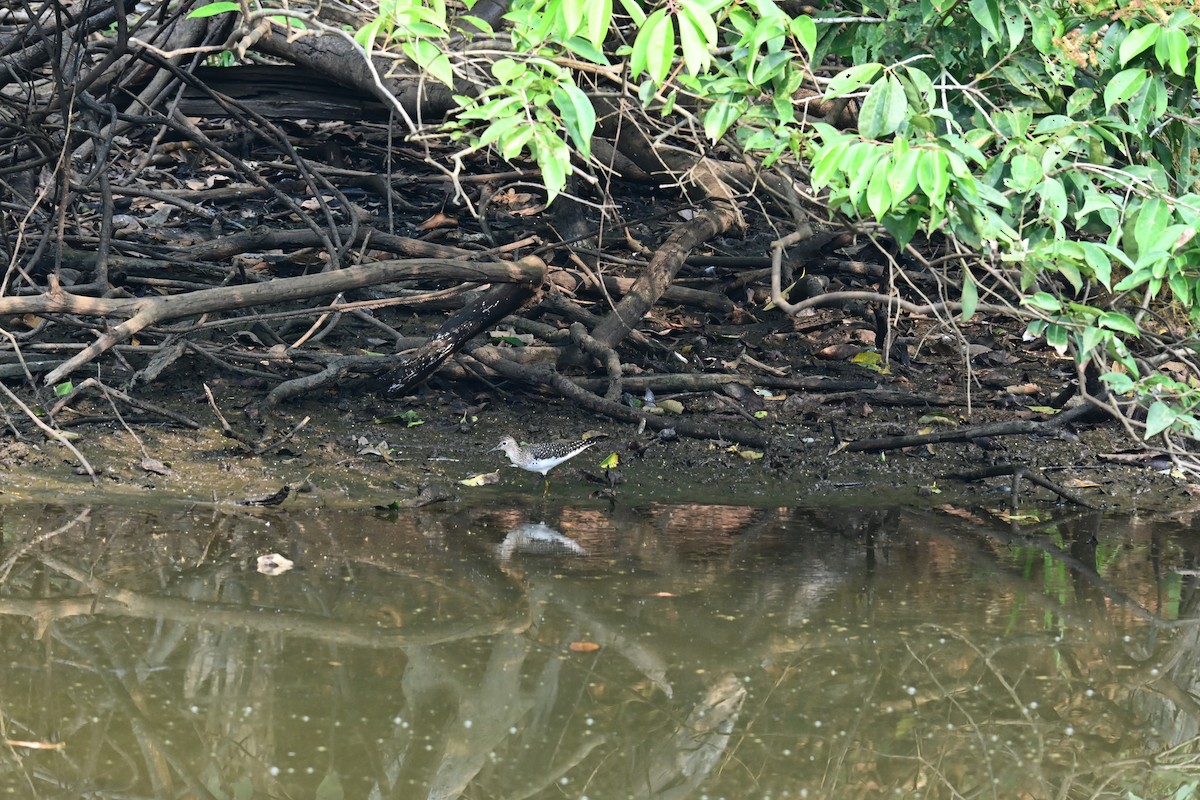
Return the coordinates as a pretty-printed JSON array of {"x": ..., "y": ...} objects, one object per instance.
[{"x": 541, "y": 457}]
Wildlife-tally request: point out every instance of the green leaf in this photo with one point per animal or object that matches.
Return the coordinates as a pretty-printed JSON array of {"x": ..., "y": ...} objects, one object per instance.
[
  {"x": 367, "y": 34},
  {"x": 598, "y": 19},
  {"x": 805, "y": 31},
  {"x": 1118, "y": 382},
  {"x": 1079, "y": 100},
  {"x": 904, "y": 228},
  {"x": 1132, "y": 280},
  {"x": 1054, "y": 199},
  {"x": 1117, "y": 321},
  {"x": 879, "y": 192},
  {"x": 1057, "y": 337},
  {"x": 721, "y": 115},
  {"x": 1136, "y": 41},
  {"x": 506, "y": 70},
  {"x": 554, "y": 159},
  {"x": 1124, "y": 85},
  {"x": 639, "y": 59},
  {"x": 1159, "y": 417},
  {"x": 578, "y": 116},
  {"x": 861, "y": 177},
  {"x": 970, "y": 296},
  {"x": 285, "y": 21},
  {"x": 987, "y": 14},
  {"x": 1091, "y": 338},
  {"x": 512, "y": 145},
  {"x": 933, "y": 176},
  {"x": 1181, "y": 287},
  {"x": 1153, "y": 216},
  {"x": 572, "y": 12},
  {"x": 585, "y": 49},
  {"x": 63, "y": 389},
  {"x": 692, "y": 40},
  {"x": 702, "y": 20},
  {"x": 1098, "y": 261},
  {"x": 635, "y": 11},
  {"x": 1044, "y": 301},
  {"x": 903, "y": 178},
  {"x": 482, "y": 25},
  {"x": 430, "y": 58},
  {"x": 1025, "y": 172},
  {"x": 852, "y": 79},
  {"x": 884, "y": 109},
  {"x": 661, "y": 53},
  {"x": 918, "y": 86},
  {"x": 826, "y": 164},
  {"x": 410, "y": 418},
  {"x": 1171, "y": 50},
  {"x": 212, "y": 9}
]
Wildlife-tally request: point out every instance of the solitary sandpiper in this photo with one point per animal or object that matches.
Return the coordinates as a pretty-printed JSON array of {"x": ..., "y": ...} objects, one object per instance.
[{"x": 541, "y": 457}]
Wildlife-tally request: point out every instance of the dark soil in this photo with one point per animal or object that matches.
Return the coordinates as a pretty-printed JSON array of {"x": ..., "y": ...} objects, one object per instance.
[{"x": 347, "y": 455}]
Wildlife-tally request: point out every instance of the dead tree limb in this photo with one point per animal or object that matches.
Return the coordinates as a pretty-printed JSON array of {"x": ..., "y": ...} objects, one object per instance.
[
  {"x": 454, "y": 334},
  {"x": 649, "y": 287},
  {"x": 144, "y": 312},
  {"x": 1078, "y": 414},
  {"x": 1016, "y": 472}
]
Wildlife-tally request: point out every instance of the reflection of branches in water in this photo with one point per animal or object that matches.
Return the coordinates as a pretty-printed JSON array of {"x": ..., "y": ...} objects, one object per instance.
[
  {"x": 231, "y": 655},
  {"x": 452, "y": 675},
  {"x": 973, "y": 725},
  {"x": 111, "y": 601},
  {"x": 1021, "y": 539},
  {"x": 80, "y": 519},
  {"x": 679, "y": 764},
  {"x": 231, "y": 647}
]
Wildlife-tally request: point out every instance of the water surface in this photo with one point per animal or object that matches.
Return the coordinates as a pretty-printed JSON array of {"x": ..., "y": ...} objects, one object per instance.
[{"x": 529, "y": 649}]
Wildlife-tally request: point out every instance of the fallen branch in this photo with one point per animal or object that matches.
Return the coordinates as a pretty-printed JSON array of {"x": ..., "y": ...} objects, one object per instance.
[
  {"x": 453, "y": 335},
  {"x": 1017, "y": 472},
  {"x": 668, "y": 259},
  {"x": 144, "y": 312},
  {"x": 1077, "y": 414}
]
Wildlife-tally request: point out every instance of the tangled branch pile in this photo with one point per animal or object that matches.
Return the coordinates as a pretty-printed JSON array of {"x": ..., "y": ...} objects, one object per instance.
[{"x": 159, "y": 195}]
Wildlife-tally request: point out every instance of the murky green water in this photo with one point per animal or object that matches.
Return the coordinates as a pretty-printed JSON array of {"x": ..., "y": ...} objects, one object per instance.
[{"x": 658, "y": 652}]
